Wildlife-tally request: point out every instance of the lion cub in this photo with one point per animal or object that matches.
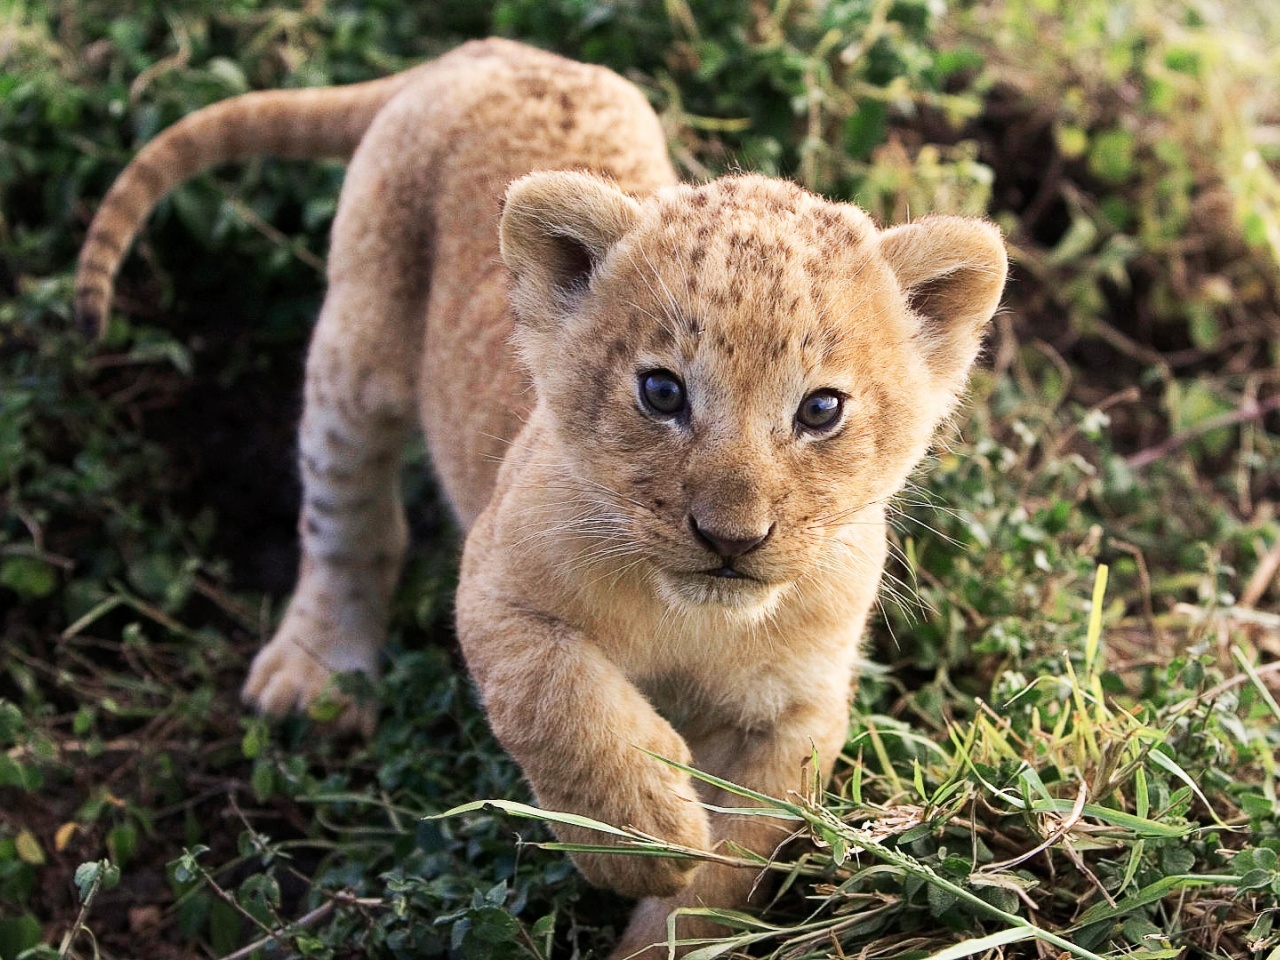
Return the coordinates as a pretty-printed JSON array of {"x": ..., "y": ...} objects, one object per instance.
[{"x": 669, "y": 417}]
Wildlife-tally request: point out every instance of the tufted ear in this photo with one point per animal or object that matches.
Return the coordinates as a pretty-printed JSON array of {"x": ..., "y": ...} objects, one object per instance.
[
  {"x": 952, "y": 271},
  {"x": 556, "y": 229}
]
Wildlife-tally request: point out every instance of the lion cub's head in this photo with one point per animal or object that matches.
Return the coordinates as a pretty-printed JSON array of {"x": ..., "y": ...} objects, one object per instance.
[{"x": 735, "y": 370}]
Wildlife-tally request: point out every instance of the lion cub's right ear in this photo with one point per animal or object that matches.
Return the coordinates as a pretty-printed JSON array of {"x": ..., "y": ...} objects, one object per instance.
[{"x": 556, "y": 229}]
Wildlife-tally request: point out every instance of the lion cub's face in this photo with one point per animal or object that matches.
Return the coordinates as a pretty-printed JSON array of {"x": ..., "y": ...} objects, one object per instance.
[{"x": 738, "y": 369}]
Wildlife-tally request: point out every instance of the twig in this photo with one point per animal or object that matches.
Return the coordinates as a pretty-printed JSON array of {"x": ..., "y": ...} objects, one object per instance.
[
  {"x": 228, "y": 604},
  {"x": 1262, "y": 577},
  {"x": 276, "y": 236},
  {"x": 175, "y": 61},
  {"x": 1063, "y": 828},
  {"x": 306, "y": 920},
  {"x": 65, "y": 947},
  {"x": 1249, "y": 411},
  {"x": 36, "y": 553},
  {"x": 1221, "y": 688}
]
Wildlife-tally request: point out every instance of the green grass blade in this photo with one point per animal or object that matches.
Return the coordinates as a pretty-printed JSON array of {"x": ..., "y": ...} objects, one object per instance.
[
  {"x": 1094, "y": 637},
  {"x": 1151, "y": 829},
  {"x": 968, "y": 948},
  {"x": 1150, "y": 894},
  {"x": 729, "y": 787},
  {"x": 516, "y": 809}
]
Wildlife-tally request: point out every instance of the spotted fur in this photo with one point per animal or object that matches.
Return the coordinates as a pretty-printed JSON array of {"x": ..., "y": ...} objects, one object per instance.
[{"x": 512, "y": 257}]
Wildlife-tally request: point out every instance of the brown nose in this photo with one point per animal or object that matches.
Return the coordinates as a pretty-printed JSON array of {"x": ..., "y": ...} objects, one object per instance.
[{"x": 726, "y": 546}]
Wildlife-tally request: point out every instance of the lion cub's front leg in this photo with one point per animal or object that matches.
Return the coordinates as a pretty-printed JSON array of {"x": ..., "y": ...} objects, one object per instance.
[
  {"x": 774, "y": 762},
  {"x": 576, "y": 726},
  {"x": 352, "y": 526}
]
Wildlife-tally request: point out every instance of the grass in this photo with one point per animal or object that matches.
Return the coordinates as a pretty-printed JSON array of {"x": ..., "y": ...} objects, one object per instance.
[{"x": 1044, "y": 758}]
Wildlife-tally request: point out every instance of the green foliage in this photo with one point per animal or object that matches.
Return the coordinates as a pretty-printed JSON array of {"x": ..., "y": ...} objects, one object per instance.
[
  {"x": 1035, "y": 761},
  {"x": 1151, "y": 215}
]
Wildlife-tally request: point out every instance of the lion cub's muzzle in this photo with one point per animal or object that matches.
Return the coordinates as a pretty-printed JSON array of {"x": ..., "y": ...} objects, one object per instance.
[{"x": 727, "y": 543}]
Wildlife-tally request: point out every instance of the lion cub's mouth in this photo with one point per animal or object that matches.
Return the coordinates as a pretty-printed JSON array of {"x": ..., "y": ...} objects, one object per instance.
[
  {"x": 726, "y": 572},
  {"x": 724, "y": 587}
]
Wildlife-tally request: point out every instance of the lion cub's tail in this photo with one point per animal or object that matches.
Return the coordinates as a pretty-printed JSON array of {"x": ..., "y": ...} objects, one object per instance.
[{"x": 302, "y": 124}]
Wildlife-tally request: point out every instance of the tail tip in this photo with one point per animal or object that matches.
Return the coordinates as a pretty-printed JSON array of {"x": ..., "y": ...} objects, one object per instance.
[{"x": 91, "y": 318}]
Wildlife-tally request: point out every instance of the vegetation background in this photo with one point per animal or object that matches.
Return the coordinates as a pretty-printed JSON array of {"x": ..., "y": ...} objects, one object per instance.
[{"x": 1043, "y": 761}]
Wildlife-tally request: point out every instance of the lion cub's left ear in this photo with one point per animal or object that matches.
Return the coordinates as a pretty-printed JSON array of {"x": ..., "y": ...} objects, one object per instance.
[
  {"x": 952, "y": 271},
  {"x": 556, "y": 229}
]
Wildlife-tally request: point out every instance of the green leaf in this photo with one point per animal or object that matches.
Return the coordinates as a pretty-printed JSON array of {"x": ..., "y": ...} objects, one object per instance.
[
  {"x": 121, "y": 843},
  {"x": 256, "y": 737},
  {"x": 18, "y": 934},
  {"x": 865, "y": 129},
  {"x": 29, "y": 849},
  {"x": 87, "y": 875},
  {"x": 940, "y": 900},
  {"x": 1177, "y": 860},
  {"x": 263, "y": 780},
  {"x": 1111, "y": 155},
  {"x": 16, "y": 774},
  {"x": 28, "y": 577},
  {"x": 493, "y": 925}
]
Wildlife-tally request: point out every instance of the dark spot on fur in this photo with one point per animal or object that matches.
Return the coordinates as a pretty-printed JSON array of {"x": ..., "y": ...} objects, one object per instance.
[
  {"x": 153, "y": 178},
  {"x": 334, "y": 439},
  {"x": 336, "y": 558},
  {"x": 101, "y": 237},
  {"x": 535, "y": 88},
  {"x": 661, "y": 337},
  {"x": 617, "y": 350},
  {"x": 94, "y": 267},
  {"x": 659, "y": 503},
  {"x": 326, "y": 508}
]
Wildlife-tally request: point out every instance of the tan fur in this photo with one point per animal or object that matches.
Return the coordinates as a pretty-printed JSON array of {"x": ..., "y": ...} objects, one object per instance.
[{"x": 586, "y": 608}]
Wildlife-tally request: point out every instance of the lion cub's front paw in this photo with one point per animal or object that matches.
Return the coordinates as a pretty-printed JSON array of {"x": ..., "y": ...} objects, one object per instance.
[
  {"x": 658, "y": 801},
  {"x": 298, "y": 669},
  {"x": 643, "y": 876}
]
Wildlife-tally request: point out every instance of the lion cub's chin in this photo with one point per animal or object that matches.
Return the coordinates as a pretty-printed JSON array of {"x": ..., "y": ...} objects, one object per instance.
[{"x": 743, "y": 599}]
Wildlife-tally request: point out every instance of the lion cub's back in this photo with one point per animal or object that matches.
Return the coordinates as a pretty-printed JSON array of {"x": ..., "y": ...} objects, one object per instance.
[{"x": 440, "y": 157}]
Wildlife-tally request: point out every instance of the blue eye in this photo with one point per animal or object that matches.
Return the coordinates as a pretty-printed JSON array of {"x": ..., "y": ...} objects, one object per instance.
[
  {"x": 662, "y": 394},
  {"x": 820, "y": 410}
]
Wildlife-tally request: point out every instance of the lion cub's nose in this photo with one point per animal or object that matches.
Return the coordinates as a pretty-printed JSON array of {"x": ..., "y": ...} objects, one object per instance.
[{"x": 724, "y": 545}]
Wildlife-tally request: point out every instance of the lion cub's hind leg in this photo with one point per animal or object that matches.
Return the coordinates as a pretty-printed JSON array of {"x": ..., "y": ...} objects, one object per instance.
[{"x": 358, "y": 409}]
